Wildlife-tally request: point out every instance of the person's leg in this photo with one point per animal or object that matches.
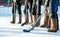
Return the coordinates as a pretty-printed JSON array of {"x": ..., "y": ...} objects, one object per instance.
[
  {"x": 31, "y": 2},
  {"x": 46, "y": 18},
  {"x": 46, "y": 13},
  {"x": 34, "y": 11},
  {"x": 26, "y": 14},
  {"x": 19, "y": 13},
  {"x": 54, "y": 9},
  {"x": 13, "y": 14},
  {"x": 53, "y": 27},
  {"x": 33, "y": 14},
  {"x": 57, "y": 22}
]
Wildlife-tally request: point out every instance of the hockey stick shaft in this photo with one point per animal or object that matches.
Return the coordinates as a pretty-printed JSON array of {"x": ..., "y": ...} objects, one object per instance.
[{"x": 38, "y": 20}]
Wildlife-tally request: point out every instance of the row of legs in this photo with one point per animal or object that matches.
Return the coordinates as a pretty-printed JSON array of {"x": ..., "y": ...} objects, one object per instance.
[{"x": 51, "y": 23}]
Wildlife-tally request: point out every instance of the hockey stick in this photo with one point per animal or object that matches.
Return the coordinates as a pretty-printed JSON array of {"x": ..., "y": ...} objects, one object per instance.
[{"x": 25, "y": 30}]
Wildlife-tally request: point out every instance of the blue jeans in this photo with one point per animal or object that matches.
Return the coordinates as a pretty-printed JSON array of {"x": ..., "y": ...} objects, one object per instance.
[{"x": 54, "y": 8}]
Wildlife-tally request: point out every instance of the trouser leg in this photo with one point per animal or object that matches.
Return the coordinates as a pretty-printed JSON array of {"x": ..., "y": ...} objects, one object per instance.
[{"x": 13, "y": 14}]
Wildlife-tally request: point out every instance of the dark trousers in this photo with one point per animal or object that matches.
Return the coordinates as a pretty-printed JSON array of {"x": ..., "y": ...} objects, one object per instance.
[{"x": 18, "y": 7}]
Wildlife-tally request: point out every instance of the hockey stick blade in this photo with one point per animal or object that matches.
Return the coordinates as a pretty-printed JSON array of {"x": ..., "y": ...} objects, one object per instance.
[{"x": 26, "y": 30}]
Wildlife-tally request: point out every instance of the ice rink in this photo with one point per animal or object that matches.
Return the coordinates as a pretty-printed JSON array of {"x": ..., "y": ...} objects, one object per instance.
[{"x": 15, "y": 30}]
